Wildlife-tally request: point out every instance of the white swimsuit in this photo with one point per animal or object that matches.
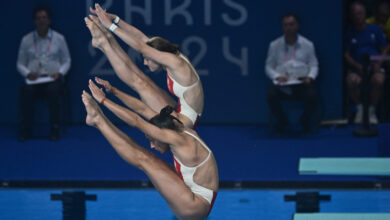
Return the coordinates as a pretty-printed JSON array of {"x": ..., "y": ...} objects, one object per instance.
[
  {"x": 187, "y": 174},
  {"x": 178, "y": 90}
]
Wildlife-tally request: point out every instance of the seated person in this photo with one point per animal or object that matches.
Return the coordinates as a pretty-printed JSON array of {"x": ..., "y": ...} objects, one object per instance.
[
  {"x": 381, "y": 18},
  {"x": 364, "y": 39},
  {"x": 42, "y": 60},
  {"x": 292, "y": 66}
]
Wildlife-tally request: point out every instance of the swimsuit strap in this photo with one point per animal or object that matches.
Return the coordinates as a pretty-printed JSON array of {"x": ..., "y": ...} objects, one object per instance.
[
  {"x": 192, "y": 68},
  {"x": 203, "y": 144}
]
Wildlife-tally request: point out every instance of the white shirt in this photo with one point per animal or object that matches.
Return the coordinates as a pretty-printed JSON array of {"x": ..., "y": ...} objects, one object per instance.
[
  {"x": 47, "y": 55},
  {"x": 291, "y": 62}
]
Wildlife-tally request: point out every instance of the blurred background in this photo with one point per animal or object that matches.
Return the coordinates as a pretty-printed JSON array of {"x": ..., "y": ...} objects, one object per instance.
[{"x": 227, "y": 42}]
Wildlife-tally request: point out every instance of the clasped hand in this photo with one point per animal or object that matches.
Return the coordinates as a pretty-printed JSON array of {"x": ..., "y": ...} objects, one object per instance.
[
  {"x": 104, "y": 17},
  {"x": 97, "y": 92}
]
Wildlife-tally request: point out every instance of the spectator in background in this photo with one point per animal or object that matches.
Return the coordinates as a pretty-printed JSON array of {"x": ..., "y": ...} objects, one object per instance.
[
  {"x": 43, "y": 60},
  {"x": 292, "y": 66},
  {"x": 381, "y": 18},
  {"x": 364, "y": 39}
]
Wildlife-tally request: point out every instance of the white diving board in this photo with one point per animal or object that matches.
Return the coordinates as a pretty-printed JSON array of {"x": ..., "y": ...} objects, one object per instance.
[
  {"x": 345, "y": 166},
  {"x": 342, "y": 216}
]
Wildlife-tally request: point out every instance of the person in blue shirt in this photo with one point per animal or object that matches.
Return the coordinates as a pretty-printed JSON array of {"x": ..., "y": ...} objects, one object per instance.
[{"x": 364, "y": 39}]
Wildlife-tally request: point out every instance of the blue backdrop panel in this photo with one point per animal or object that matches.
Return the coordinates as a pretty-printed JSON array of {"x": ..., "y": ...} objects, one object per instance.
[{"x": 227, "y": 40}]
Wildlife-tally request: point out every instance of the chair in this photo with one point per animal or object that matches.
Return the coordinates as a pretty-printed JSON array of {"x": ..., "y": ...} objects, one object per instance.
[
  {"x": 65, "y": 108},
  {"x": 65, "y": 102},
  {"x": 295, "y": 109}
]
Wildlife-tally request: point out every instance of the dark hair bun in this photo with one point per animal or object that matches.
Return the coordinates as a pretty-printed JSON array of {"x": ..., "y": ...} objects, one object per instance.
[
  {"x": 176, "y": 47},
  {"x": 166, "y": 111},
  {"x": 165, "y": 119}
]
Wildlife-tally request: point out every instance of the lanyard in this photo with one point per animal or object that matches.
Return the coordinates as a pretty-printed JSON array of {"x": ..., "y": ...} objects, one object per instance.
[
  {"x": 50, "y": 35},
  {"x": 286, "y": 53}
]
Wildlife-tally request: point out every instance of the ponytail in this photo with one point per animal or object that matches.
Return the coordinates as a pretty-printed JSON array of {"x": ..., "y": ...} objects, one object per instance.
[{"x": 165, "y": 119}]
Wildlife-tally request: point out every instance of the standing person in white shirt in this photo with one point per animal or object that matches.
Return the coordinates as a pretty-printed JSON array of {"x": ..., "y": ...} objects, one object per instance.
[
  {"x": 292, "y": 66},
  {"x": 43, "y": 60}
]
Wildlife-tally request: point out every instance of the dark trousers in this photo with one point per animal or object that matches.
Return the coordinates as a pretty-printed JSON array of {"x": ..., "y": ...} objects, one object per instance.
[
  {"x": 29, "y": 94},
  {"x": 306, "y": 93}
]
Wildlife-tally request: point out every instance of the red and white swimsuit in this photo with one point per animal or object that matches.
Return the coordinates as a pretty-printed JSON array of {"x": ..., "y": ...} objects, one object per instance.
[
  {"x": 178, "y": 90},
  {"x": 187, "y": 174}
]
